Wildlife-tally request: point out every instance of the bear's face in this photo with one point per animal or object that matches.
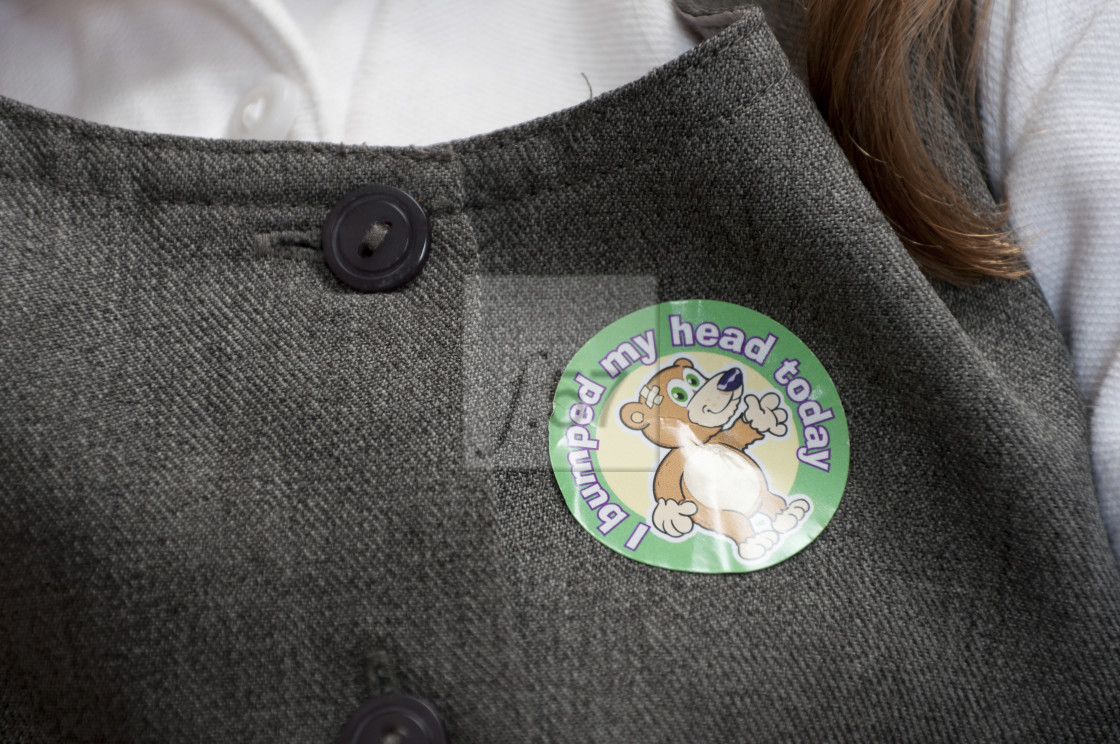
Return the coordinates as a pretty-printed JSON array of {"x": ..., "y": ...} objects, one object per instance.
[{"x": 680, "y": 406}]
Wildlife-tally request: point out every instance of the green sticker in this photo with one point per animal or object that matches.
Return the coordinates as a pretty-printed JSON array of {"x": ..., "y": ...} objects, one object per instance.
[{"x": 699, "y": 436}]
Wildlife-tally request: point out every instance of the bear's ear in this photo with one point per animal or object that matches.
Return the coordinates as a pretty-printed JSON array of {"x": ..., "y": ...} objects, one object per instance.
[
  {"x": 683, "y": 363},
  {"x": 635, "y": 415}
]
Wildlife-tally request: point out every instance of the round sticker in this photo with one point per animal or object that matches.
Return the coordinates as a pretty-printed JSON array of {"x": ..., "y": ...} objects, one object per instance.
[{"x": 699, "y": 436}]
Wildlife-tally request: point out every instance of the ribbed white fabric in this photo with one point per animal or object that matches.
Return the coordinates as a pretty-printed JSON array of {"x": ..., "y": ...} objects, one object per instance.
[
  {"x": 1051, "y": 108},
  {"x": 388, "y": 72}
]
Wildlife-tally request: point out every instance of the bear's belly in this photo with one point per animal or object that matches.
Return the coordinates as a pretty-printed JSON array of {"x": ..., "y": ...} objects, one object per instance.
[{"x": 721, "y": 478}]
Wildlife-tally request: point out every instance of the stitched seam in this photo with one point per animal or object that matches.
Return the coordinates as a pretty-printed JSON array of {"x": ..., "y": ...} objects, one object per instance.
[
  {"x": 203, "y": 146},
  {"x": 142, "y": 199},
  {"x": 585, "y": 179}
]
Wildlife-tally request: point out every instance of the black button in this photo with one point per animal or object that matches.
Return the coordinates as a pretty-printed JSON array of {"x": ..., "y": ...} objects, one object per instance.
[
  {"x": 376, "y": 239},
  {"x": 394, "y": 719}
]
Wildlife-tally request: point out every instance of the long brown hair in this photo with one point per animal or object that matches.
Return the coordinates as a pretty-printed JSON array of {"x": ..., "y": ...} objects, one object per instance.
[{"x": 873, "y": 67}]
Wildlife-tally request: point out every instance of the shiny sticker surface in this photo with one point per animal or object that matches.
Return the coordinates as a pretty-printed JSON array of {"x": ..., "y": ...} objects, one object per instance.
[{"x": 701, "y": 436}]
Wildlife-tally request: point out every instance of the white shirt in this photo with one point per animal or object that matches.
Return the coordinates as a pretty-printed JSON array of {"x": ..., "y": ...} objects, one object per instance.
[
  {"x": 1051, "y": 108},
  {"x": 394, "y": 72}
]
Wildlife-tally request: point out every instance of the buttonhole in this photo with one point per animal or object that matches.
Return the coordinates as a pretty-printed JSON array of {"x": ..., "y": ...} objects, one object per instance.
[
  {"x": 374, "y": 237},
  {"x": 290, "y": 244}
]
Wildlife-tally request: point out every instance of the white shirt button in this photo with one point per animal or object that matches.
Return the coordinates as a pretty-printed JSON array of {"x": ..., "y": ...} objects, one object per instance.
[{"x": 267, "y": 111}]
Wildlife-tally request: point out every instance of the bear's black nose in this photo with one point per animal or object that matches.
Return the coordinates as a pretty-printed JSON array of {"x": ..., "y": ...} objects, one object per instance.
[{"x": 732, "y": 379}]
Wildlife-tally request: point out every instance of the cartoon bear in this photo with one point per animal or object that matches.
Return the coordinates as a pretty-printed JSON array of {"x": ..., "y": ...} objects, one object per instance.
[{"x": 706, "y": 478}]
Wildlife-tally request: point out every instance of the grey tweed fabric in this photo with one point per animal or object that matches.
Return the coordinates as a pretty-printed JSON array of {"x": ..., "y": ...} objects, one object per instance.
[{"x": 228, "y": 481}]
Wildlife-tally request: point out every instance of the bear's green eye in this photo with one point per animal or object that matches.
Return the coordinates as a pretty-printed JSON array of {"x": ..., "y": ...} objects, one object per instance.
[
  {"x": 677, "y": 391},
  {"x": 692, "y": 380}
]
